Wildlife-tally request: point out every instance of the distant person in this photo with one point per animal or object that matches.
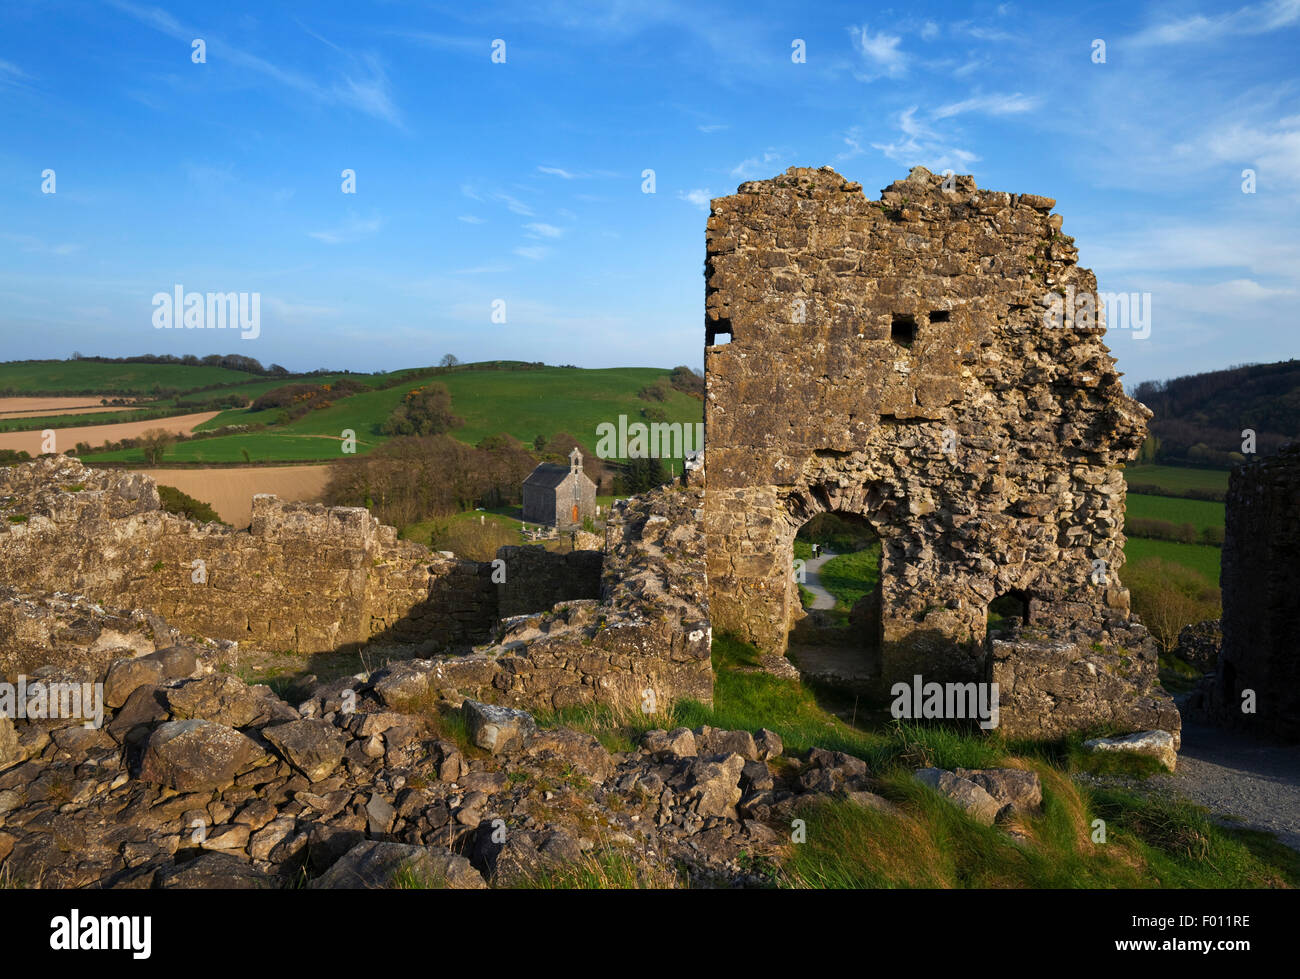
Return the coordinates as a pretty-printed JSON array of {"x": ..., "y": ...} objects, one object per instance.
[{"x": 817, "y": 549}]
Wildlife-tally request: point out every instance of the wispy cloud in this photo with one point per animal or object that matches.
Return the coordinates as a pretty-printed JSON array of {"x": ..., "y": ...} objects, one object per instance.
[
  {"x": 497, "y": 197},
  {"x": 1258, "y": 18},
  {"x": 558, "y": 172},
  {"x": 533, "y": 252},
  {"x": 918, "y": 143},
  {"x": 470, "y": 219},
  {"x": 539, "y": 230},
  {"x": 879, "y": 54},
  {"x": 353, "y": 230},
  {"x": 700, "y": 197},
  {"x": 363, "y": 85},
  {"x": 28, "y": 243},
  {"x": 759, "y": 166},
  {"x": 716, "y": 127},
  {"x": 993, "y": 105}
]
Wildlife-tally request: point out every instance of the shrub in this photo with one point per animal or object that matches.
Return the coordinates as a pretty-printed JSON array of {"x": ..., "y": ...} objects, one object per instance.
[
  {"x": 424, "y": 411},
  {"x": 1169, "y": 596},
  {"x": 184, "y": 505}
]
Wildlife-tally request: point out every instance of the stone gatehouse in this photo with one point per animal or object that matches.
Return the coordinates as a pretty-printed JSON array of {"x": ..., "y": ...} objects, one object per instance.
[{"x": 891, "y": 359}]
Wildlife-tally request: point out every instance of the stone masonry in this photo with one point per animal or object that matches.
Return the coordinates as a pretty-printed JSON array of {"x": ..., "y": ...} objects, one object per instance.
[
  {"x": 891, "y": 359},
  {"x": 1261, "y": 580}
]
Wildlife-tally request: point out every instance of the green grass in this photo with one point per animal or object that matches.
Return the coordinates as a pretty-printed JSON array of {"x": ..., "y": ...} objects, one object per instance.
[
  {"x": 1176, "y": 479},
  {"x": 1149, "y": 842},
  {"x": 524, "y": 403},
  {"x": 849, "y": 577},
  {"x": 1199, "y": 513},
  {"x": 85, "y": 375},
  {"x": 543, "y": 402},
  {"x": 261, "y": 447},
  {"x": 1199, "y": 557}
]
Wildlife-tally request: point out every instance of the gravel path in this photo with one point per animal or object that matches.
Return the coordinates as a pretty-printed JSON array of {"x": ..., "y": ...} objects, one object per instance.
[
  {"x": 1235, "y": 774},
  {"x": 813, "y": 582},
  {"x": 1257, "y": 783}
]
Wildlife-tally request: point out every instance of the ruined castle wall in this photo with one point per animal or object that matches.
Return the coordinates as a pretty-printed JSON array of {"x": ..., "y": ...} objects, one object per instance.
[
  {"x": 1260, "y": 578},
  {"x": 302, "y": 578},
  {"x": 644, "y": 644},
  {"x": 536, "y": 579},
  {"x": 889, "y": 359}
]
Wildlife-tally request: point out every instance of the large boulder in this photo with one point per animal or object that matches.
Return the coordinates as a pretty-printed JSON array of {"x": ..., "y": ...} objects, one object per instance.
[
  {"x": 497, "y": 729},
  {"x": 9, "y": 751},
  {"x": 1154, "y": 744},
  {"x": 127, "y": 675},
  {"x": 572, "y": 750},
  {"x": 1015, "y": 789},
  {"x": 714, "y": 785},
  {"x": 313, "y": 747},
  {"x": 963, "y": 793},
  {"x": 228, "y": 700},
  {"x": 374, "y": 865},
  {"x": 192, "y": 755},
  {"x": 214, "y": 871}
]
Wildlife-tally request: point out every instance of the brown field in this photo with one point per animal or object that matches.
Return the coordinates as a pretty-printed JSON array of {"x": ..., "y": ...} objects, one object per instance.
[
  {"x": 85, "y": 404},
  {"x": 230, "y": 490},
  {"x": 66, "y": 438}
]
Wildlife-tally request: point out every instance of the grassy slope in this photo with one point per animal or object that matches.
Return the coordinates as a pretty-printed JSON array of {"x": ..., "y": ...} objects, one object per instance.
[
  {"x": 524, "y": 403},
  {"x": 932, "y": 844},
  {"x": 1176, "y": 478},
  {"x": 1199, "y": 513},
  {"x": 87, "y": 375},
  {"x": 1198, "y": 557}
]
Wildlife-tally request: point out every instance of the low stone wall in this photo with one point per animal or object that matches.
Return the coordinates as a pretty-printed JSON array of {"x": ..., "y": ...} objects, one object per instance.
[
  {"x": 642, "y": 646},
  {"x": 537, "y": 579},
  {"x": 1052, "y": 682},
  {"x": 304, "y": 577}
]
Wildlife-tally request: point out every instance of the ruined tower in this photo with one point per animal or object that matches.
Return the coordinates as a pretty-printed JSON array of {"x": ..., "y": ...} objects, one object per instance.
[{"x": 897, "y": 360}]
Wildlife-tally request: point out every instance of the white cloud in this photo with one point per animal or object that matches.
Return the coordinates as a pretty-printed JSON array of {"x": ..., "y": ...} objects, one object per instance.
[
  {"x": 879, "y": 52},
  {"x": 470, "y": 219},
  {"x": 994, "y": 105},
  {"x": 558, "y": 172},
  {"x": 352, "y": 231},
  {"x": 758, "y": 166},
  {"x": 920, "y": 144},
  {"x": 1259, "y": 18},
  {"x": 533, "y": 252},
  {"x": 712, "y": 128},
  {"x": 539, "y": 230},
  {"x": 700, "y": 197},
  {"x": 364, "y": 85}
]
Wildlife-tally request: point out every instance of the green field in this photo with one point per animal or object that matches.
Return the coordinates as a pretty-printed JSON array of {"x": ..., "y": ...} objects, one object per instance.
[
  {"x": 1199, "y": 513},
  {"x": 72, "y": 376},
  {"x": 1175, "y": 479},
  {"x": 1199, "y": 557},
  {"x": 261, "y": 447},
  {"x": 524, "y": 403}
]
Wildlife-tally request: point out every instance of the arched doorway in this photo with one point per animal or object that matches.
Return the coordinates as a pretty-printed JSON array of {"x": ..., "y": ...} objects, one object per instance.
[{"x": 835, "y": 627}]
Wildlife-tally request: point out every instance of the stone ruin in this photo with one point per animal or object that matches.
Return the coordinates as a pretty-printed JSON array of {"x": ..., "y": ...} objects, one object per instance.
[
  {"x": 559, "y": 630},
  {"x": 887, "y": 359},
  {"x": 1260, "y": 578},
  {"x": 891, "y": 360}
]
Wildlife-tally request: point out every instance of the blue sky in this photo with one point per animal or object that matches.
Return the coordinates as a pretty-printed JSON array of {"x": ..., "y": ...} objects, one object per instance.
[{"x": 521, "y": 180}]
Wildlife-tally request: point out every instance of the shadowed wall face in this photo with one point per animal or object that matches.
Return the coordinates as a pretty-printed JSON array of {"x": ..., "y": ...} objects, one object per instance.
[{"x": 891, "y": 359}]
